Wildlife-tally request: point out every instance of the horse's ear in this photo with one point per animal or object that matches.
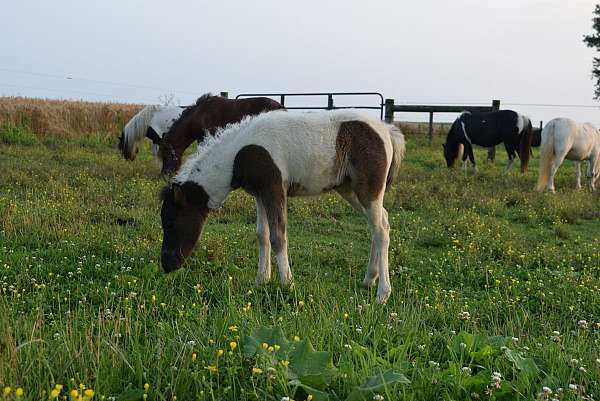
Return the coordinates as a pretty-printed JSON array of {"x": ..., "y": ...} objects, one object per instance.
[{"x": 178, "y": 194}]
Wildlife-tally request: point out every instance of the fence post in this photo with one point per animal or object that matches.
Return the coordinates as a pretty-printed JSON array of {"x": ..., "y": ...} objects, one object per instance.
[
  {"x": 430, "y": 127},
  {"x": 492, "y": 151},
  {"x": 541, "y": 124},
  {"x": 330, "y": 102},
  {"x": 389, "y": 111},
  {"x": 225, "y": 95}
]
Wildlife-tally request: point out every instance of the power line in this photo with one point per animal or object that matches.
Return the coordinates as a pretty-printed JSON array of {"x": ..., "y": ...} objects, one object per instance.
[
  {"x": 65, "y": 91},
  {"x": 112, "y": 83}
]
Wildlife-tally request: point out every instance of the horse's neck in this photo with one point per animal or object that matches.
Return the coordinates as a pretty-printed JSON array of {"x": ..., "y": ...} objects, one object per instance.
[{"x": 214, "y": 170}]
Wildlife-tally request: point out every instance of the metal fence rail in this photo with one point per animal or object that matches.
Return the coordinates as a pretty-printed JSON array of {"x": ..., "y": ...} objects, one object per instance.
[{"x": 330, "y": 100}]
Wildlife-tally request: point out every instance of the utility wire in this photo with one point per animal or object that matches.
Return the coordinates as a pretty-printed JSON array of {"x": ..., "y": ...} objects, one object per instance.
[
  {"x": 112, "y": 83},
  {"x": 66, "y": 91}
]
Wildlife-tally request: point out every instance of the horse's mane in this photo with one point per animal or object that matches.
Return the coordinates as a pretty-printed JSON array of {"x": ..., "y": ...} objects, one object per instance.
[
  {"x": 189, "y": 110},
  {"x": 223, "y": 134},
  {"x": 135, "y": 129}
]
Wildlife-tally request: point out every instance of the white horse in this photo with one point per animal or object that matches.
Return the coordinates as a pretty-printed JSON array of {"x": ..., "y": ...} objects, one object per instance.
[
  {"x": 564, "y": 138},
  {"x": 280, "y": 154},
  {"x": 150, "y": 122}
]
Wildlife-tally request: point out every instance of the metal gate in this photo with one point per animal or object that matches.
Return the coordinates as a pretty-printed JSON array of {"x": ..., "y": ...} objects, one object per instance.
[{"x": 330, "y": 100}]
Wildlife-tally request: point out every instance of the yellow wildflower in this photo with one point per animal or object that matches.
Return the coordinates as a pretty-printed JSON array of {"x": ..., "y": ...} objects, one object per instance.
[
  {"x": 256, "y": 371},
  {"x": 233, "y": 345},
  {"x": 194, "y": 356},
  {"x": 270, "y": 349},
  {"x": 264, "y": 345},
  {"x": 211, "y": 368},
  {"x": 89, "y": 393},
  {"x": 220, "y": 353},
  {"x": 74, "y": 394},
  {"x": 19, "y": 392},
  {"x": 146, "y": 386},
  {"x": 301, "y": 303},
  {"x": 6, "y": 391},
  {"x": 296, "y": 339},
  {"x": 277, "y": 347},
  {"x": 285, "y": 362},
  {"x": 54, "y": 393},
  {"x": 233, "y": 328}
]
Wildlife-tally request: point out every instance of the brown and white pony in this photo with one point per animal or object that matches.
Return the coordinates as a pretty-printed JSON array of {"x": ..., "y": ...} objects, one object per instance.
[
  {"x": 206, "y": 116},
  {"x": 276, "y": 155}
]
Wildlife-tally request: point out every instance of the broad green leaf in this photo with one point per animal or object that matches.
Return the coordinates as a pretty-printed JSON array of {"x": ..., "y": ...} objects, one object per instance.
[
  {"x": 485, "y": 352},
  {"x": 317, "y": 395},
  {"x": 377, "y": 383},
  {"x": 525, "y": 365},
  {"x": 310, "y": 367},
  {"x": 266, "y": 335},
  {"x": 478, "y": 382}
]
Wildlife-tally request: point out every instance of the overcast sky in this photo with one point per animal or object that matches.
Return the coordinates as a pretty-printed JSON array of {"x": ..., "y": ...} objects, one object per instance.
[{"x": 426, "y": 51}]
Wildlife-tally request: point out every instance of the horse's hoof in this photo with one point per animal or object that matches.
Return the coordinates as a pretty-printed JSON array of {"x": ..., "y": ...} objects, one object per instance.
[
  {"x": 383, "y": 296},
  {"x": 262, "y": 280},
  {"x": 368, "y": 282}
]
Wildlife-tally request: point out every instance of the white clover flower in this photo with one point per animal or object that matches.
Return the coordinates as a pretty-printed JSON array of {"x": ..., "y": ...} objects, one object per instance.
[
  {"x": 582, "y": 324},
  {"x": 574, "y": 362},
  {"x": 462, "y": 345},
  {"x": 378, "y": 397},
  {"x": 285, "y": 398},
  {"x": 515, "y": 339},
  {"x": 573, "y": 387},
  {"x": 453, "y": 332},
  {"x": 348, "y": 347},
  {"x": 582, "y": 369},
  {"x": 434, "y": 364},
  {"x": 546, "y": 390},
  {"x": 464, "y": 315},
  {"x": 466, "y": 370}
]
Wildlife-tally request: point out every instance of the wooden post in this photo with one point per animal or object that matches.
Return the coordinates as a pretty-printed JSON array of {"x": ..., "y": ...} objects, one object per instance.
[
  {"x": 282, "y": 100},
  {"x": 330, "y": 102},
  {"x": 225, "y": 95},
  {"x": 430, "y": 127},
  {"x": 492, "y": 151},
  {"x": 541, "y": 124},
  {"x": 389, "y": 111}
]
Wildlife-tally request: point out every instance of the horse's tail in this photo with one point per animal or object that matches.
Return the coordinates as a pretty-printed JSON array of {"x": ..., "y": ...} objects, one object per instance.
[
  {"x": 398, "y": 150},
  {"x": 546, "y": 156},
  {"x": 525, "y": 145}
]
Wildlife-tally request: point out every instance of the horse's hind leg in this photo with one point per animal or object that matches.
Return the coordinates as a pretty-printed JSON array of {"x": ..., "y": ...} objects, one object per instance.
[
  {"x": 591, "y": 168},
  {"x": 577, "y": 174},
  {"x": 264, "y": 244},
  {"x": 558, "y": 159},
  {"x": 372, "y": 272},
  {"x": 380, "y": 231},
  {"x": 275, "y": 203}
]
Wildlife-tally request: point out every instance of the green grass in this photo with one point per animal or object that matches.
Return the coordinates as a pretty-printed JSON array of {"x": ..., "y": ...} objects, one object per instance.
[{"x": 83, "y": 300}]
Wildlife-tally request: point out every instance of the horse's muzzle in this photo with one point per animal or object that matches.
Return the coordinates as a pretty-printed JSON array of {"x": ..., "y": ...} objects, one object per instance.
[{"x": 170, "y": 260}]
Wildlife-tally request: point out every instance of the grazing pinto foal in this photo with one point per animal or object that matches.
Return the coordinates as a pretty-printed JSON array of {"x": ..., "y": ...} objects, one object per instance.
[
  {"x": 151, "y": 122},
  {"x": 564, "y": 138},
  {"x": 276, "y": 155},
  {"x": 206, "y": 116},
  {"x": 489, "y": 129}
]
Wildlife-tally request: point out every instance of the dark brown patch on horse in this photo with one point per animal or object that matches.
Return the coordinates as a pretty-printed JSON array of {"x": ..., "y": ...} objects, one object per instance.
[
  {"x": 360, "y": 152},
  {"x": 184, "y": 209},
  {"x": 206, "y": 116},
  {"x": 255, "y": 171}
]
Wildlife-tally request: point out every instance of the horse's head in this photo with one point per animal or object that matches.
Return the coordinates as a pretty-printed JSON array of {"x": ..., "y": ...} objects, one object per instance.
[
  {"x": 183, "y": 212},
  {"x": 170, "y": 160},
  {"x": 128, "y": 150},
  {"x": 451, "y": 147}
]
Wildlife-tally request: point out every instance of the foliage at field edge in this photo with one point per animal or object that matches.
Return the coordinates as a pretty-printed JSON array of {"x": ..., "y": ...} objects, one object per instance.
[{"x": 495, "y": 288}]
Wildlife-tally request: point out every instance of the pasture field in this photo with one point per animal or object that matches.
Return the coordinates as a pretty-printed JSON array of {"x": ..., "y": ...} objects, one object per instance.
[{"x": 496, "y": 288}]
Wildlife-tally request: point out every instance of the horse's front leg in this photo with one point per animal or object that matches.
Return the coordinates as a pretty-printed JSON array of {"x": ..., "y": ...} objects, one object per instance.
[
  {"x": 471, "y": 157},
  {"x": 264, "y": 245},
  {"x": 578, "y": 174},
  {"x": 275, "y": 203}
]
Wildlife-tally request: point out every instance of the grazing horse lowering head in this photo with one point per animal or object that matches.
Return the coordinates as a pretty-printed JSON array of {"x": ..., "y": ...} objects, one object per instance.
[{"x": 183, "y": 212}]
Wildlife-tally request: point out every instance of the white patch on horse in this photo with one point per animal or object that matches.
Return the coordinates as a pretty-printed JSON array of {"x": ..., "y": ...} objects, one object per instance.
[{"x": 465, "y": 133}]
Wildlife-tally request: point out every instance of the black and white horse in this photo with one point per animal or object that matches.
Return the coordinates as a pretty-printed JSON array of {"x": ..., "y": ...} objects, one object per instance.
[
  {"x": 151, "y": 122},
  {"x": 489, "y": 129}
]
